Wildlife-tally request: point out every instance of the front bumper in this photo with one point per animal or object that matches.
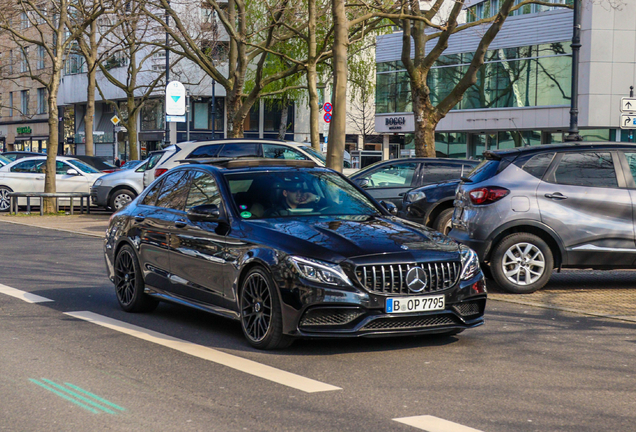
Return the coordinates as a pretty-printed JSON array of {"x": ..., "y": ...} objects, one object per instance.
[
  {"x": 99, "y": 195},
  {"x": 364, "y": 315}
]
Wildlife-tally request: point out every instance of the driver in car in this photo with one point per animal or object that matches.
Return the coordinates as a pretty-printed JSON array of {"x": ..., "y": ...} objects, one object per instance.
[{"x": 294, "y": 197}]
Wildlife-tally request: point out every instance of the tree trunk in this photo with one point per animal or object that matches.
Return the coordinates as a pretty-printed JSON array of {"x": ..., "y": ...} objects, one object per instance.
[
  {"x": 282, "y": 129},
  {"x": 425, "y": 122},
  {"x": 314, "y": 109},
  {"x": 89, "y": 115},
  {"x": 338, "y": 125},
  {"x": 132, "y": 129},
  {"x": 235, "y": 122},
  {"x": 51, "y": 148}
]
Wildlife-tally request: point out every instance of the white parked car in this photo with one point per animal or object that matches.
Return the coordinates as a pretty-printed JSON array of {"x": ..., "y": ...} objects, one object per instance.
[
  {"x": 27, "y": 175},
  {"x": 162, "y": 161},
  {"x": 118, "y": 189}
]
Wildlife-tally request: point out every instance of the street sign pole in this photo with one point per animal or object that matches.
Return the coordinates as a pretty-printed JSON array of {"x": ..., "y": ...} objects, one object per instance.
[{"x": 631, "y": 131}]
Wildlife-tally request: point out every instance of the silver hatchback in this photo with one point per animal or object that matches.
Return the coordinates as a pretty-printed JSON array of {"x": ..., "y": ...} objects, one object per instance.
[{"x": 527, "y": 211}]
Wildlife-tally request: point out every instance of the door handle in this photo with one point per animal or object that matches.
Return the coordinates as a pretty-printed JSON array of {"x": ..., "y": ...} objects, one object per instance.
[
  {"x": 556, "y": 196},
  {"x": 140, "y": 218},
  {"x": 180, "y": 223}
]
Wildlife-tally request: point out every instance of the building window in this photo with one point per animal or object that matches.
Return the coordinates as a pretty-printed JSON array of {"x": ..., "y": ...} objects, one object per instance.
[
  {"x": 42, "y": 101},
  {"x": 41, "y": 56},
  {"x": 10, "y": 104},
  {"x": 11, "y": 61},
  {"x": 25, "y": 102},
  {"x": 538, "y": 75},
  {"x": 24, "y": 21},
  {"x": 152, "y": 115},
  {"x": 272, "y": 117},
  {"x": 24, "y": 60}
]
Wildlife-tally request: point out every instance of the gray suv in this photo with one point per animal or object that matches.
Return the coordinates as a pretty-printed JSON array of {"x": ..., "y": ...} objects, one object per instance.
[{"x": 527, "y": 211}]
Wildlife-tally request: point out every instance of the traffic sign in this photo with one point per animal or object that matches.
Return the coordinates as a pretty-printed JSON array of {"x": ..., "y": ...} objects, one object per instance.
[
  {"x": 115, "y": 120},
  {"x": 327, "y": 117},
  {"x": 628, "y": 104},
  {"x": 628, "y": 121},
  {"x": 327, "y": 107},
  {"x": 175, "y": 99}
]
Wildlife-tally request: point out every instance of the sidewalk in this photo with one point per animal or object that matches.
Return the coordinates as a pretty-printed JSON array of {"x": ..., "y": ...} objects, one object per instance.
[{"x": 609, "y": 294}]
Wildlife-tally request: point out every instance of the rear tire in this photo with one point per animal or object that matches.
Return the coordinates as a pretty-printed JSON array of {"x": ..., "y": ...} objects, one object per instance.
[
  {"x": 443, "y": 223},
  {"x": 261, "y": 315},
  {"x": 129, "y": 283},
  {"x": 522, "y": 263},
  {"x": 5, "y": 199}
]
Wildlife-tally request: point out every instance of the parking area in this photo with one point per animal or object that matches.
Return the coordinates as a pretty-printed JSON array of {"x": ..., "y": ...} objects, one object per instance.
[{"x": 597, "y": 293}]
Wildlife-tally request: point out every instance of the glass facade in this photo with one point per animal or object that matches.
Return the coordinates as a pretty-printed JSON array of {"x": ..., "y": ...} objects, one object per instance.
[{"x": 537, "y": 75}]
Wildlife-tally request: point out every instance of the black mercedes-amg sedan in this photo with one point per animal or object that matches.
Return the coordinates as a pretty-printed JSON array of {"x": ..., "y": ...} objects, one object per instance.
[{"x": 289, "y": 250}]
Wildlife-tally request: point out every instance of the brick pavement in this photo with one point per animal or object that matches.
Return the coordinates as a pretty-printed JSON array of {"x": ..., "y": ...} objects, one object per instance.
[{"x": 610, "y": 294}]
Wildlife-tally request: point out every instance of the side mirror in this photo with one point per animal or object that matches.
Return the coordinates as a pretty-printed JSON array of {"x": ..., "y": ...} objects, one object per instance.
[
  {"x": 363, "y": 182},
  {"x": 72, "y": 172},
  {"x": 390, "y": 207},
  {"x": 205, "y": 213}
]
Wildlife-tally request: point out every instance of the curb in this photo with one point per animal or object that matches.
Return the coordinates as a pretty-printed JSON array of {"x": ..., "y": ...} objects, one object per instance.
[{"x": 52, "y": 228}]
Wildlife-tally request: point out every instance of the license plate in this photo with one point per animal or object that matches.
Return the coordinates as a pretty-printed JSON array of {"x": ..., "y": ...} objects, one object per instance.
[{"x": 414, "y": 304}]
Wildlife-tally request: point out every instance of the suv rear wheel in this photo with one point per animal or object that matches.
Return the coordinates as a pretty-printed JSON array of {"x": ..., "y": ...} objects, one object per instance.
[{"x": 522, "y": 263}]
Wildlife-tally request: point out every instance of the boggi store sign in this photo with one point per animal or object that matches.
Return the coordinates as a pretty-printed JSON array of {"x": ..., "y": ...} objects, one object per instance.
[{"x": 394, "y": 123}]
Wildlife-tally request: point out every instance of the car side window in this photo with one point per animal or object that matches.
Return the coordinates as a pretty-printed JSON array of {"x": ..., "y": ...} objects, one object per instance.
[
  {"x": 25, "y": 167},
  {"x": 535, "y": 165},
  {"x": 203, "y": 190},
  {"x": 151, "y": 196},
  {"x": 206, "y": 151},
  {"x": 594, "y": 169},
  {"x": 240, "y": 150},
  {"x": 61, "y": 168},
  {"x": 174, "y": 190},
  {"x": 275, "y": 151},
  {"x": 438, "y": 171},
  {"x": 154, "y": 160},
  {"x": 393, "y": 175}
]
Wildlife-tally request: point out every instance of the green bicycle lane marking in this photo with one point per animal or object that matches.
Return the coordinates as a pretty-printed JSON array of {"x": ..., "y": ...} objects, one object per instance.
[{"x": 77, "y": 398}]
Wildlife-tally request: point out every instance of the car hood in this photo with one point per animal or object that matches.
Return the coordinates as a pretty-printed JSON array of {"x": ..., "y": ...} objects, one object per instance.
[
  {"x": 107, "y": 179},
  {"x": 360, "y": 238},
  {"x": 438, "y": 184}
]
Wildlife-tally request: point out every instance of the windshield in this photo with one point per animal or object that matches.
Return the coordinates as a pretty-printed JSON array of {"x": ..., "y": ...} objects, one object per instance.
[
  {"x": 83, "y": 167},
  {"x": 153, "y": 160},
  {"x": 4, "y": 160},
  {"x": 314, "y": 153},
  {"x": 265, "y": 195}
]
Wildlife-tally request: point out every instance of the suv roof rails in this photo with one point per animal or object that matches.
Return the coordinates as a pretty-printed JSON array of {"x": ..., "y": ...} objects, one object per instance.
[{"x": 246, "y": 162}]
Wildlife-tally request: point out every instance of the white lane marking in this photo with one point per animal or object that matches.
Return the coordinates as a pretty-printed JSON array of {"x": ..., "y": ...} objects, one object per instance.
[
  {"x": 23, "y": 295},
  {"x": 244, "y": 365},
  {"x": 434, "y": 424}
]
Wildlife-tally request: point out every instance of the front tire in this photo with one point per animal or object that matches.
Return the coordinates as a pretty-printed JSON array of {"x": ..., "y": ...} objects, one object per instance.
[
  {"x": 129, "y": 283},
  {"x": 522, "y": 263},
  {"x": 5, "y": 199},
  {"x": 121, "y": 198},
  {"x": 443, "y": 223},
  {"x": 261, "y": 316}
]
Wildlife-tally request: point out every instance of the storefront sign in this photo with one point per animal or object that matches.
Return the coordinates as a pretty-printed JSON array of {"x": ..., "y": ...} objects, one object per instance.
[
  {"x": 401, "y": 123},
  {"x": 24, "y": 130}
]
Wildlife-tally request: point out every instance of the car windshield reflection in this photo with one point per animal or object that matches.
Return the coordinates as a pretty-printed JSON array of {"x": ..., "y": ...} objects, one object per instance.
[{"x": 296, "y": 193}]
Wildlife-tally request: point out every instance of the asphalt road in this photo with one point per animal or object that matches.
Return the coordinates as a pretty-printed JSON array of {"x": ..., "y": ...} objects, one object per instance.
[{"x": 527, "y": 369}]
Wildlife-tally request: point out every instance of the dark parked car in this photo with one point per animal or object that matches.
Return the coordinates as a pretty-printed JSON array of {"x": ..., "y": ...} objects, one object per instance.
[
  {"x": 13, "y": 155},
  {"x": 431, "y": 205},
  {"x": 98, "y": 163},
  {"x": 527, "y": 211},
  {"x": 289, "y": 250},
  {"x": 390, "y": 180}
]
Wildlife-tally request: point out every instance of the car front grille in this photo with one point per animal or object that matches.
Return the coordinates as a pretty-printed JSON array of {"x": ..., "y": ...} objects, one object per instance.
[
  {"x": 409, "y": 322},
  {"x": 329, "y": 317},
  {"x": 467, "y": 309},
  {"x": 391, "y": 279}
]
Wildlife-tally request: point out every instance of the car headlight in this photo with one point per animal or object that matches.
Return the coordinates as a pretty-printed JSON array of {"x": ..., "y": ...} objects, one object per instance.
[
  {"x": 415, "y": 196},
  {"x": 470, "y": 262},
  {"x": 97, "y": 182},
  {"x": 320, "y": 271}
]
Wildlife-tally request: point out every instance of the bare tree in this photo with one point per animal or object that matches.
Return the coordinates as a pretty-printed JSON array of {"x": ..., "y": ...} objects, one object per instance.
[{"x": 42, "y": 38}]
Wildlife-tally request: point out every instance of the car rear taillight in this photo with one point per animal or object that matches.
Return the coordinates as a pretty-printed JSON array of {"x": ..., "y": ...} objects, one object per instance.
[
  {"x": 160, "y": 171},
  {"x": 108, "y": 171},
  {"x": 487, "y": 195}
]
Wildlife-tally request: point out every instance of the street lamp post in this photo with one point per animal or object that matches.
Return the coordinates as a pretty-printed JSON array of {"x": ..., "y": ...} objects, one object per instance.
[
  {"x": 167, "y": 137},
  {"x": 213, "y": 110},
  {"x": 573, "y": 132}
]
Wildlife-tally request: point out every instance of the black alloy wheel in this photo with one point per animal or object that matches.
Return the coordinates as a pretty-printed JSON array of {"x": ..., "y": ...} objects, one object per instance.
[
  {"x": 129, "y": 283},
  {"x": 5, "y": 199},
  {"x": 261, "y": 318}
]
